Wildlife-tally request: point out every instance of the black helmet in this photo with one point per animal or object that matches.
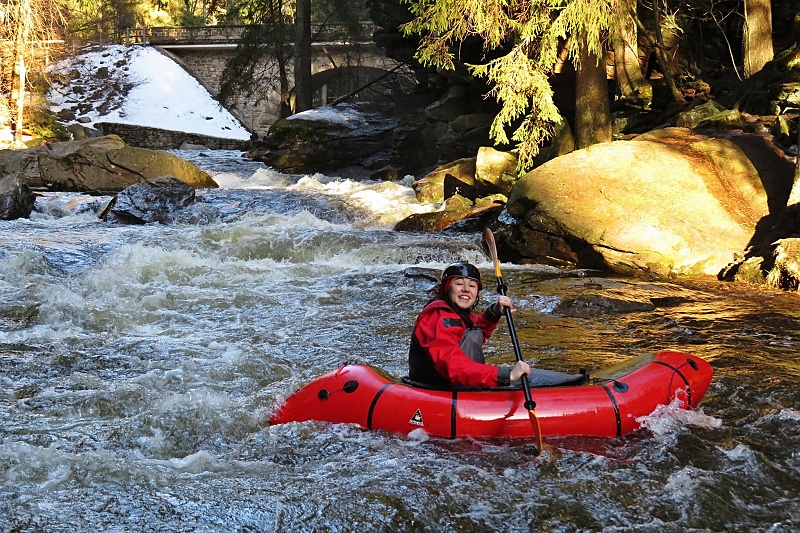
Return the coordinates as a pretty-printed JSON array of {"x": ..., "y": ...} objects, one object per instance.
[{"x": 460, "y": 270}]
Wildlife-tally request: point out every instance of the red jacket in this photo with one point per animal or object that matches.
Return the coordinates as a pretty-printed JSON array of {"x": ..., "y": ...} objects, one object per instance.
[{"x": 435, "y": 357}]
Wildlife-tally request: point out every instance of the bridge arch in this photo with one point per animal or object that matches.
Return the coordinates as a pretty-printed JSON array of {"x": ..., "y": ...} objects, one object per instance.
[
  {"x": 339, "y": 69},
  {"x": 358, "y": 84}
]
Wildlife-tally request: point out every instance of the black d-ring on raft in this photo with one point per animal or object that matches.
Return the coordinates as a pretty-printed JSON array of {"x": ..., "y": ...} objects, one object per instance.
[
  {"x": 349, "y": 387},
  {"x": 620, "y": 386}
]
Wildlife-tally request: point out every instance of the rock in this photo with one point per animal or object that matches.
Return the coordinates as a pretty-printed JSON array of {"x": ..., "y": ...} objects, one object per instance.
[
  {"x": 430, "y": 188},
  {"x": 600, "y": 304},
  {"x": 669, "y": 204},
  {"x": 562, "y": 143},
  {"x": 102, "y": 165},
  {"x": 414, "y": 144},
  {"x": 16, "y": 198},
  {"x": 700, "y": 112},
  {"x": 308, "y": 145},
  {"x": 77, "y": 131},
  {"x": 749, "y": 271},
  {"x": 785, "y": 274},
  {"x": 455, "y": 209},
  {"x": 463, "y": 185},
  {"x": 155, "y": 200},
  {"x": 464, "y": 135},
  {"x": 495, "y": 171},
  {"x": 454, "y": 104},
  {"x": 479, "y": 216}
]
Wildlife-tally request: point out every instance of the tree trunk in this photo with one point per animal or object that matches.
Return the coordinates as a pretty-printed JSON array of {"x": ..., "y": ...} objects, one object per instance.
[
  {"x": 23, "y": 29},
  {"x": 302, "y": 57},
  {"x": 592, "y": 108},
  {"x": 20, "y": 100},
  {"x": 282, "y": 60},
  {"x": 757, "y": 38},
  {"x": 662, "y": 59},
  {"x": 631, "y": 82}
]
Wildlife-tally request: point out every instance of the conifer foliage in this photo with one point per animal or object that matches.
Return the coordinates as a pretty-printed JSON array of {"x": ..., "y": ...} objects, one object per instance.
[{"x": 522, "y": 42}]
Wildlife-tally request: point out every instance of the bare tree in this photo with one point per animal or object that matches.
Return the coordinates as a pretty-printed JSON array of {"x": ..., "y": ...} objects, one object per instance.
[{"x": 32, "y": 28}]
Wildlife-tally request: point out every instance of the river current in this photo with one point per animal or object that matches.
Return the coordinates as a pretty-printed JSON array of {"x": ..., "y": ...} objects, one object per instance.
[{"x": 139, "y": 365}]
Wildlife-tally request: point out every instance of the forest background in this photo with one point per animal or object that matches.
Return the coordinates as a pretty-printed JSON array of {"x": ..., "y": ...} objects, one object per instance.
[{"x": 665, "y": 55}]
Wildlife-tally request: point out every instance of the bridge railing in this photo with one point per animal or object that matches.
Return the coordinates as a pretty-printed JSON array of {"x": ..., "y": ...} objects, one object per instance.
[{"x": 232, "y": 34}]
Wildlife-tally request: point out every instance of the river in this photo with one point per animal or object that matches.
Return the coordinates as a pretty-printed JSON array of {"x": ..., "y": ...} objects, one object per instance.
[{"x": 139, "y": 365}]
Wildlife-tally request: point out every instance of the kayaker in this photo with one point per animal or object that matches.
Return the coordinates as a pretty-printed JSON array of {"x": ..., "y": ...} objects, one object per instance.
[{"x": 447, "y": 342}]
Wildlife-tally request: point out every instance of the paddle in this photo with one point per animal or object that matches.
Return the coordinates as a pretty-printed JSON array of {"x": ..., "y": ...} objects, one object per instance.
[{"x": 530, "y": 405}]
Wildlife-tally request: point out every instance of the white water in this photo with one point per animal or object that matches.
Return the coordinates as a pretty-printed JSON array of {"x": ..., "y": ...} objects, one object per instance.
[{"x": 139, "y": 365}]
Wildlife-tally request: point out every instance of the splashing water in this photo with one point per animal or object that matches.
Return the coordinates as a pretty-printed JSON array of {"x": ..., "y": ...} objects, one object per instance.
[{"x": 140, "y": 364}]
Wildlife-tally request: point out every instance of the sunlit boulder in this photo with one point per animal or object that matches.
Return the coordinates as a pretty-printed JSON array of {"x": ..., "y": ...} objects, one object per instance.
[
  {"x": 669, "y": 203},
  {"x": 102, "y": 165}
]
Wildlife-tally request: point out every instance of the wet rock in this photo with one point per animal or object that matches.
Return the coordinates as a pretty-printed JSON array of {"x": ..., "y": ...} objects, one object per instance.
[
  {"x": 600, "y": 304},
  {"x": 308, "y": 145},
  {"x": 456, "y": 208},
  {"x": 156, "y": 200},
  {"x": 16, "y": 198}
]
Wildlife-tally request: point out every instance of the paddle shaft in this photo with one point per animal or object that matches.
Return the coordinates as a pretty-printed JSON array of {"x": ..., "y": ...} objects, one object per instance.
[
  {"x": 526, "y": 387},
  {"x": 488, "y": 237}
]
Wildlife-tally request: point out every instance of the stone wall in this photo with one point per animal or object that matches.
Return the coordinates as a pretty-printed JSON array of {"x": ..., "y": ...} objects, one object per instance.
[
  {"x": 259, "y": 111},
  {"x": 158, "y": 139},
  {"x": 206, "y": 64}
]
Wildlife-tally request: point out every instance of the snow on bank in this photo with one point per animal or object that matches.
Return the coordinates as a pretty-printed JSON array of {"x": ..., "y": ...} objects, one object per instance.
[
  {"x": 138, "y": 85},
  {"x": 343, "y": 114}
]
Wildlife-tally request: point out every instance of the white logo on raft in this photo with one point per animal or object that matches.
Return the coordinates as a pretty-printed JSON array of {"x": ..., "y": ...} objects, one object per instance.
[{"x": 416, "y": 419}]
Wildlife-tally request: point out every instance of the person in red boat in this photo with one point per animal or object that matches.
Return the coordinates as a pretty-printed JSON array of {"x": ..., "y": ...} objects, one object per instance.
[{"x": 447, "y": 342}]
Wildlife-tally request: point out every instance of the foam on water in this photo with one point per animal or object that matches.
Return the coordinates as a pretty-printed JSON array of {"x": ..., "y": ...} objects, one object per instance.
[
  {"x": 139, "y": 366},
  {"x": 666, "y": 419}
]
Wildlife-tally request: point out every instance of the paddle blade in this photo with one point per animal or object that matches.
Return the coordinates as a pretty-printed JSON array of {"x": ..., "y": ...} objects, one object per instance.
[
  {"x": 488, "y": 236},
  {"x": 537, "y": 431}
]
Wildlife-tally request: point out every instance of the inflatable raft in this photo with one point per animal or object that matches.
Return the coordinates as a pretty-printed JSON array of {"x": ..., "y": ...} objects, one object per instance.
[{"x": 608, "y": 405}]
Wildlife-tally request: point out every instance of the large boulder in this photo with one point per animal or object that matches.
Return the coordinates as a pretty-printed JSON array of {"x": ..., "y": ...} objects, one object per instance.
[
  {"x": 495, "y": 171},
  {"x": 459, "y": 174},
  {"x": 328, "y": 139},
  {"x": 156, "y": 200},
  {"x": 102, "y": 165},
  {"x": 491, "y": 172},
  {"x": 669, "y": 203}
]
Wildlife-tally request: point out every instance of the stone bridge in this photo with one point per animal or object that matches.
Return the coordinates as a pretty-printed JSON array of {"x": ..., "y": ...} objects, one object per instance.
[{"x": 341, "y": 66}]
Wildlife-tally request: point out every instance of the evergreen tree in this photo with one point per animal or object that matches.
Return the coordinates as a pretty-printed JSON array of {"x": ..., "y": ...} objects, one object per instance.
[
  {"x": 526, "y": 37},
  {"x": 278, "y": 38},
  {"x": 264, "y": 49}
]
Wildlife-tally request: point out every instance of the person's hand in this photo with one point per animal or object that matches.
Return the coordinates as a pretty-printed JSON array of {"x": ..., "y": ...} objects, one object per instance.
[
  {"x": 503, "y": 302},
  {"x": 521, "y": 369}
]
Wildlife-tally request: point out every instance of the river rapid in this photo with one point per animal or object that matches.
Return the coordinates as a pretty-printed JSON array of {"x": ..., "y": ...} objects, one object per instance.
[{"x": 139, "y": 365}]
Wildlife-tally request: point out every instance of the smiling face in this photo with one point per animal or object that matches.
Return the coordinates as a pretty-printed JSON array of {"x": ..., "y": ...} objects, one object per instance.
[{"x": 463, "y": 292}]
